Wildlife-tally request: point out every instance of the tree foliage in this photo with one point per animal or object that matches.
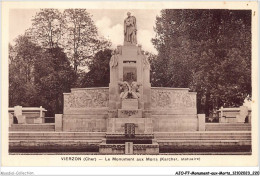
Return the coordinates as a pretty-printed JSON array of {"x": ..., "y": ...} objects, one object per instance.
[
  {"x": 22, "y": 58},
  {"x": 54, "y": 77},
  {"x": 47, "y": 28},
  {"x": 98, "y": 75},
  {"x": 38, "y": 77},
  {"x": 81, "y": 41},
  {"x": 41, "y": 62},
  {"x": 208, "y": 51}
]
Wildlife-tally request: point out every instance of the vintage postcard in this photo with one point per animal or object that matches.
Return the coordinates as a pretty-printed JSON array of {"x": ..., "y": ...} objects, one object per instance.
[{"x": 129, "y": 84}]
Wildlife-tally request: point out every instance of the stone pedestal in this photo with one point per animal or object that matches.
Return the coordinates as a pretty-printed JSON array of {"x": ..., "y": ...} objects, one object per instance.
[
  {"x": 120, "y": 149},
  {"x": 18, "y": 114},
  {"x": 129, "y": 148},
  {"x": 130, "y": 104},
  {"x": 242, "y": 114},
  {"x": 201, "y": 122},
  {"x": 11, "y": 119},
  {"x": 17, "y": 110},
  {"x": 58, "y": 122},
  {"x": 21, "y": 119}
]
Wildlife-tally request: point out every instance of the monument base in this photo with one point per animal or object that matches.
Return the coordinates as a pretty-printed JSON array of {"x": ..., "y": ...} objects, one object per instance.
[{"x": 129, "y": 148}]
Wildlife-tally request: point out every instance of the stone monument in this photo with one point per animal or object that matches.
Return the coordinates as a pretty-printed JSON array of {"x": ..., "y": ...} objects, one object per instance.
[
  {"x": 130, "y": 111},
  {"x": 129, "y": 88},
  {"x": 129, "y": 118}
]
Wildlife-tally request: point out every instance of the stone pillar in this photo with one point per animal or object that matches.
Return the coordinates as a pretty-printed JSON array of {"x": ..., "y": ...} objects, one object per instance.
[
  {"x": 18, "y": 113},
  {"x": 18, "y": 110},
  {"x": 243, "y": 112},
  {"x": 129, "y": 148},
  {"x": 58, "y": 122},
  {"x": 201, "y": 122},
  {"x": 39, "y": 119},
  {"x": 249, "y": 118},
  {"x": 11, "y": 119},
  {"x": 41, "y": 111},
  {"x": 222, "y": 119}
]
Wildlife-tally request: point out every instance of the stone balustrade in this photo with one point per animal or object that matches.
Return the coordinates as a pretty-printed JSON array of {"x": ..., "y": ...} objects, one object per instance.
[
  {"x": 234, "y": 115},
  {"x": 24, "y": 115}
]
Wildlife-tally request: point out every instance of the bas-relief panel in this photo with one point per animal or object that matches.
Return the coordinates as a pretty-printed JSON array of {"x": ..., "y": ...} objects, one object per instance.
[
  {"x": 87, "y": 98},
  {"x": 171, "y": 99}
]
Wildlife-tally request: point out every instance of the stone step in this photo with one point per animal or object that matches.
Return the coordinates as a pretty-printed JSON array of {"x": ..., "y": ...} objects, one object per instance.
[
  {"x": 201, "y": 134},
  {"x": 57, "y": 134},
  {"x": 205, "y": 138},
  {"x": 234, "y": 124},
  {"x": 202, "y": 137},
  {"x": 228, "y": 127},
  {"x": 209, "y": 153},
  {"x": 53, "y": 137},
  {"x": 202, "y": 142},
  {"x": 55, "y": 141},
  {"x": 32, "y": 127},
  {"x": 216, "y": 135}
]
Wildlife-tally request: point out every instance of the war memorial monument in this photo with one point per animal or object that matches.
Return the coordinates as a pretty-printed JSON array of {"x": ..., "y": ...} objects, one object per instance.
[{"x": 130, "y": 116}]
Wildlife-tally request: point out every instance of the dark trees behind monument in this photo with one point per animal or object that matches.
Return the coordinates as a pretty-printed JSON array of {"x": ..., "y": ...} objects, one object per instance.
[
  {"x": 38, "y": 77},
  {"x": 98, "y": 75},
  {"x": 208, "y": 51}
]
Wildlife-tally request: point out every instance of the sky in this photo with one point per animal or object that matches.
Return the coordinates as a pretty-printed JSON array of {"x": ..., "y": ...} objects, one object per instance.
[{"x": 108, "y": 22}]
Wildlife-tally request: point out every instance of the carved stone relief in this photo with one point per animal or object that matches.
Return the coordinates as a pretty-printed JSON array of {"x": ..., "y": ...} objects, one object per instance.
[
  {"x": 169, "y": 99},
  {"x": 88, "y": 98}
]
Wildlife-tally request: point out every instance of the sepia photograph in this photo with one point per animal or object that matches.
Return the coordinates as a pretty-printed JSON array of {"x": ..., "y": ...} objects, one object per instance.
[{"x": 151, "y": 82}]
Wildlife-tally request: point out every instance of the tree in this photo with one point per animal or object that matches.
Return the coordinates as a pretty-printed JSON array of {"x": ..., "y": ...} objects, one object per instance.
[
  {"x": 47, "y": 28},
  {"x": 37, "y": 76},
  {"x": 81, "y": 41},
  {"x": 98, "y": 75},
  {"x": 54, "y": 76},
  {"x": 208, "y": 51},
  {"x": 22, "y": 58}
]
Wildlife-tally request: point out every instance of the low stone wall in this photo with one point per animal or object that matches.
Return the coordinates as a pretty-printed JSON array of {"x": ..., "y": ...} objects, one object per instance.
[
  {"x": 228, "y": 127},
  {"x": 234, "y": 115},
  {"x": 173, "y": 100},
  {"x": 173, "y": 109},
  {"x": 87, "y": 123},
  {"x": 86, "y": 109},
  {"x": 26, "y": 115},
  {"x": 80, "y": 100},
  {"x": 32, "y": 127}
]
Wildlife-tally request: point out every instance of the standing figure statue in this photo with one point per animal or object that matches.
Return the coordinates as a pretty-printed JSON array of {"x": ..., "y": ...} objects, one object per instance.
[{"x": 130, "y": 29}]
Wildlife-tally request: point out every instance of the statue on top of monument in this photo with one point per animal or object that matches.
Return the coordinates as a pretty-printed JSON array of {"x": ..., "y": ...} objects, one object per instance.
[{"x": 130, "y": 29}]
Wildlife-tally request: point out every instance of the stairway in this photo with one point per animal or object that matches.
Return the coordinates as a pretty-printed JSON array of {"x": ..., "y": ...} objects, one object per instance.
[
  {"x": 192, "y": 142},
  {"x": 203, "y": 142},
  {"x": 54, "y": 141},
  {"x": 228, "y": 127}
]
